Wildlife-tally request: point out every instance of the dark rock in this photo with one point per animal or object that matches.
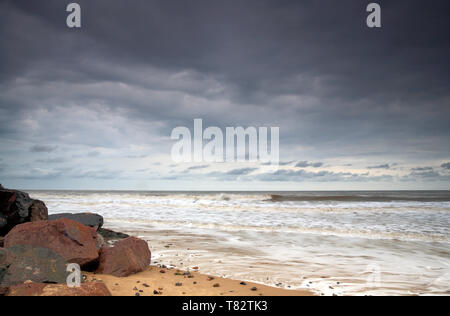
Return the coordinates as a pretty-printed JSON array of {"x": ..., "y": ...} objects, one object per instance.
[
  {"x": 73, "y": 241},
  {"x": 179, "y": 284},
  {"x": 127, "y": 257},
  {"x": 40, "y": 289},
  {"x": 27, "y": 263},
  {"x": 243, "y": 283},
  {"x": 87, "y": 219},
  {"x": 17, "y": 207},
  {"x": 110, "y": 235},
  {"x": 254, "y": 289},
  {"x": 3, "y": 291},
  {"x": 4, "y": 263},
  {"x": 2, "y": 242}
]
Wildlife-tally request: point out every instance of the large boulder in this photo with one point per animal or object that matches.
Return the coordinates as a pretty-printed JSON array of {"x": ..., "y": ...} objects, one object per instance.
[
  {"x": 23, "y": 263},
  {"x": 73, "y": 241},
  {"x": 127, "y": 257},
  {"x": 88, "y": 219},
  {"x": 17, "y": 207},
  {"x": 40, "y": 289}
]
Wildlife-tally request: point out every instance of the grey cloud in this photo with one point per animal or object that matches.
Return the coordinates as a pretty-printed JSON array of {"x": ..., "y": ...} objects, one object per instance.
[
  {"x": 305, "y": 164},
  {"x": 322, "y": 176},
  {"x": 422, "y": 169},
  {"x": 43, "y": 149},
  {"x": 446, "y": 165},
  {"x": 198, "y": 167},
  {"x": 52, "y": 160},
  {"x": 93, "y": 154},
  {"x": 385, "y": 166},
  {"x": 243, "y": 171}
]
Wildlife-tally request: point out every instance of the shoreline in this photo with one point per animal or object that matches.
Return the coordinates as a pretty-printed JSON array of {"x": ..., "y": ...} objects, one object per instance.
[{"x": 156, "y": 281}]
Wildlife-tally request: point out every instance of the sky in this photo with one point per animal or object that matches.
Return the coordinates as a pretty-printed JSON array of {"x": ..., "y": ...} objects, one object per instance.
[{"x": 93, "y": 108}]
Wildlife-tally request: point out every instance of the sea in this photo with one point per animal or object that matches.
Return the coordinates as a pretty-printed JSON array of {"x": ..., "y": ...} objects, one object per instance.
[{"x": 331, "y": 243}]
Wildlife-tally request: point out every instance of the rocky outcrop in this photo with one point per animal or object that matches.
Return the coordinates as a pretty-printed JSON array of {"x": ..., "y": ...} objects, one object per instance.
[
  {"x": 17, "y": 207},
  {"x": 40, "y": 289},
  {"x": 110, "y": 235},
  {"x": 127, "y": 257},
  {"x": 23, "y": 263},
  {"x": 88, "y": 219},
  {"x": 73, "y": 241}
]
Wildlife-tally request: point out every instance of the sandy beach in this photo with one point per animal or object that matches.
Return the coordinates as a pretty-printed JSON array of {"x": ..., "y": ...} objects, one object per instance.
[{"x": 157, "y": 281}]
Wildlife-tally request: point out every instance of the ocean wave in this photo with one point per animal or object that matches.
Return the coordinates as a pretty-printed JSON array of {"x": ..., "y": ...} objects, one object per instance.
[
  {"x": 354, "y": 198},
  {"x": 140, "y": 224}
]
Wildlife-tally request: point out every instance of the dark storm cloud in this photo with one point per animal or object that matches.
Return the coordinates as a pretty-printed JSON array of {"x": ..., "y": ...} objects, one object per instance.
[
  {"x": 446, "y": 165},
  {"x": 134, "y": 72}
]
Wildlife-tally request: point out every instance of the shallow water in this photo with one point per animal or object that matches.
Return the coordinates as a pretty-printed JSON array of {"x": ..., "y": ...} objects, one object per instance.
[{"x": 363, "y": 243}]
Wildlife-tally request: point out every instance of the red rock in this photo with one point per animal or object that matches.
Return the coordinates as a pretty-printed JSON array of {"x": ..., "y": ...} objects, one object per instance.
[
  {"x": 127, "y": 257},
  {"x": 41, "y": 289},
  {"x": 73, "y": 241}
]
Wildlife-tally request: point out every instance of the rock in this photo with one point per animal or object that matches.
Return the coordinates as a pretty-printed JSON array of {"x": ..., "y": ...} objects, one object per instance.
[
  {"x": 38, "y": 211},
  {"x": 3, "y": 221},
  {"x": 36, "y": 264},
  {"x": 100, "y": 241},
  {"x": 3, "y": 291},
  {"x": 87, "y": 219},
  {"x": 127, "y": 257},
  {"x": 40, "y": 289},
  {"x": 2, "y": 242},
  {"x": 17, "y": 207},
  {"x": 4, "y": 264},
  {"x": 73, "y": 241},
  {"x": 110, "y": 235}
]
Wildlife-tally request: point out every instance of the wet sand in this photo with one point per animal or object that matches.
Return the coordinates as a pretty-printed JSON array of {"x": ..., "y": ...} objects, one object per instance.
[{"x": 157, "y": 281}]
